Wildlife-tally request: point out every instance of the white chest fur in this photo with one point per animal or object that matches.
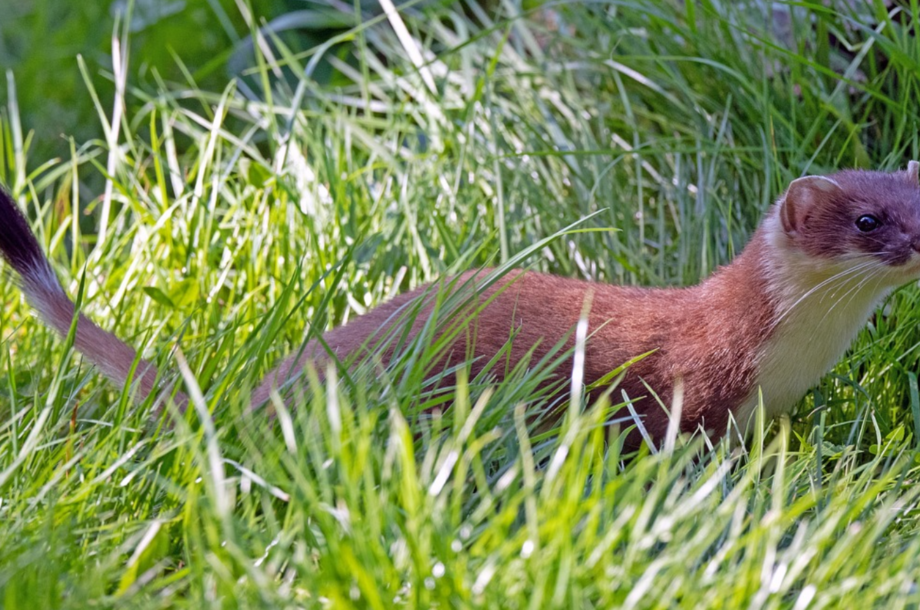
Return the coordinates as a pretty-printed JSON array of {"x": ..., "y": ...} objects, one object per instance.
[
  {"x": 805, "y": 346},
  {"x": 820, "y": 311}
]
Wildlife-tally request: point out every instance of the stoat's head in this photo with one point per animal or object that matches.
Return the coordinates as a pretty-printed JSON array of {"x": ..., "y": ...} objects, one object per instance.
[{"x": 865, "y": 218}]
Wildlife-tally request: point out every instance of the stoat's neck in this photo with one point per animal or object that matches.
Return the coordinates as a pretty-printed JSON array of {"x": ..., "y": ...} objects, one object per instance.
[{"x": 818, "y": 308}]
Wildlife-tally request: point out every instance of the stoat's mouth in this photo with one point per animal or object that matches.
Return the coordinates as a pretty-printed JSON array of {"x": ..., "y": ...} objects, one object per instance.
[{"x": 909, "y": 268}]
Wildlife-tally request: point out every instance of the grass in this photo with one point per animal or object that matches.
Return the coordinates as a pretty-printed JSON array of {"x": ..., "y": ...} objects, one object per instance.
[
  {"x": 234, "y": 223},
  {"x": 43, "y": 43}
]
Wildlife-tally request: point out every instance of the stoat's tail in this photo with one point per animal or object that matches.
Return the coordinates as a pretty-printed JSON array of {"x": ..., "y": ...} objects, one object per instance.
[{"x": 21, "y": 251}]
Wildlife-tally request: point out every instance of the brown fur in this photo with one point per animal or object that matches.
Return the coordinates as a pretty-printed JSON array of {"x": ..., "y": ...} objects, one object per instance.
[
  {"x": 768, "y": 320},
  {"x": 714, "y": 355},
  {"x": 826, "y": 226}
]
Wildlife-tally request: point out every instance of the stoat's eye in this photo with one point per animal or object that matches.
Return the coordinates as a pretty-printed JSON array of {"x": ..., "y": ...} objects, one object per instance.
[{"x": 867, "y": 223}]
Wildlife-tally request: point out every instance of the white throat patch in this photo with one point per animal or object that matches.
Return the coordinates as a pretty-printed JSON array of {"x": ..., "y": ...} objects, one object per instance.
[{"x": 822, "y": 306}]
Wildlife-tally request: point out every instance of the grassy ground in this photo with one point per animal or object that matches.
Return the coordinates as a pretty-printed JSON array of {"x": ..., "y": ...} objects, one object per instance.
[{"x": 227, "y": 226}]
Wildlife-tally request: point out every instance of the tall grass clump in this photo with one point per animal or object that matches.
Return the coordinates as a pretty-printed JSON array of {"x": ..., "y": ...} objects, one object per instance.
[{"x": 630, "y": 142}]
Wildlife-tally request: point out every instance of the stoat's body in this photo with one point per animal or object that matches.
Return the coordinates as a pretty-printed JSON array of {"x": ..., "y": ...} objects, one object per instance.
[{"x": 772, "y": 322}]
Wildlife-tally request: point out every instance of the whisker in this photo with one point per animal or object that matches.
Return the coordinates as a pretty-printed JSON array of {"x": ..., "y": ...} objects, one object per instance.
[
  {"x": 868, "y": 268},
  {"x": 840, "y": 276},
  {"x": 855, "y": 289},
  {"x": 877, "y": 278}
]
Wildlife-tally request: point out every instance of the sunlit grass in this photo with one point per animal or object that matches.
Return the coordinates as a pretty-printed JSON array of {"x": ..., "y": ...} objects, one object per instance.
[{"x": 237, "y": 225}]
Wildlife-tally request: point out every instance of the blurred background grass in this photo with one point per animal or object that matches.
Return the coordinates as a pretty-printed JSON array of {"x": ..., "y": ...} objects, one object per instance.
[{"x": 201, "y": 43}]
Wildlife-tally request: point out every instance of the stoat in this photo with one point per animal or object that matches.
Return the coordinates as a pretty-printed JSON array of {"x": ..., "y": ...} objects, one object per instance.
[{"x": 769, "y": 324}]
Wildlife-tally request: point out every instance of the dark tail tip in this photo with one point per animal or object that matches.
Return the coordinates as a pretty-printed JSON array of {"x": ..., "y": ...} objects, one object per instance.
[{"x": 18, "y": 245}]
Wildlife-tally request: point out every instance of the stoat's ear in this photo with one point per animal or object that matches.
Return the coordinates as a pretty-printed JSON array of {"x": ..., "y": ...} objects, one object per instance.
[
  {"x": 913, "y": 172},
  {"x": 802, "y": 196}
]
